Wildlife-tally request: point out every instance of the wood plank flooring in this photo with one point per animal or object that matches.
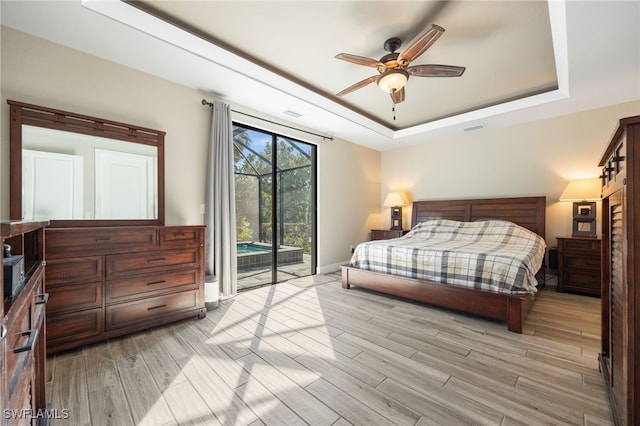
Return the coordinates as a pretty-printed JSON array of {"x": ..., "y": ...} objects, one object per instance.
[{"x": 308, "y": 352}]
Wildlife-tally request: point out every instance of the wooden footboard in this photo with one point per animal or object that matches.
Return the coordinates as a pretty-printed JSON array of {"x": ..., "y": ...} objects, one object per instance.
[{"x": 504, "y": 307}]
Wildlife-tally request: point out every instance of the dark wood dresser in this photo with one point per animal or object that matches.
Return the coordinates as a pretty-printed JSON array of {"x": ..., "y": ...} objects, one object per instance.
[
  {"x": 579, "y": 265},
  {"x": 620, "y": 356},
  {"x": 110, "y": 281},
  {"x": 23, "y": 329}
]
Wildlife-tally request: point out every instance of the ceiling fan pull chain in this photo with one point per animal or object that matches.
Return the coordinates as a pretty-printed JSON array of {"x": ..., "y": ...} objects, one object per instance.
[{"x": 393, "y": 109}]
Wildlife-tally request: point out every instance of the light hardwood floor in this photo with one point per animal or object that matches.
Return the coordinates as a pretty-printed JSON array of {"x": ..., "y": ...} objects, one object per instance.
[{"x": 309, "y": 352}]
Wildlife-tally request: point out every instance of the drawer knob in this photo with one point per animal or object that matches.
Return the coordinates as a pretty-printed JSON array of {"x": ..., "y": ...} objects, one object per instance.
[
  {"x": 30, "y": 342},
  {"x": 157, "y": 260},
  {"x": 157, "y": 282}
]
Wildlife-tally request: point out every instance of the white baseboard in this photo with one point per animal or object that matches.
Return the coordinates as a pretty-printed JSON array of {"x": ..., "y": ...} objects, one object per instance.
[{"x": 326, "y": 269}]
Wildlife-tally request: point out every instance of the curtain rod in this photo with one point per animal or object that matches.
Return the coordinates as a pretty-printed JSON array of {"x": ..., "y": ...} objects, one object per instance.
[{"x": 205, "y": 102}]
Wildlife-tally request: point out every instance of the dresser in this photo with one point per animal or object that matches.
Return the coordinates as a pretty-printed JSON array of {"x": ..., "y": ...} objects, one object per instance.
[
  {"x": 110, "y": 281},
  {"x": 386, "y": 234},
  {"x": 620, "y": 357},
  {"x": 22, "y": 342},
  {"x": 579, "y": 265}
]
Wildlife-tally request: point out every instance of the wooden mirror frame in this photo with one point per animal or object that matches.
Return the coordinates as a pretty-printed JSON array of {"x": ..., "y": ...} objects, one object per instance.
[{"x": 34, "y": 115}]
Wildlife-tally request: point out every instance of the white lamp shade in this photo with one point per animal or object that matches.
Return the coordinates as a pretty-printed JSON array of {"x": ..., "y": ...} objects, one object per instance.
[
  {"x": 582, "y": 190},
  {"x": 396, "y": 199}
]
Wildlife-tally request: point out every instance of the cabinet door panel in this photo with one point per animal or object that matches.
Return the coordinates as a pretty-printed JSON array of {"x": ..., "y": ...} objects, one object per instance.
[
  {"x": 19, "y": 333},
  {"x": 21, "y": 396}
]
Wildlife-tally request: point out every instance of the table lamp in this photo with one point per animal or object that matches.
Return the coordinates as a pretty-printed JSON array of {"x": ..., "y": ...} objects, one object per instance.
[
  {"x": 584, "y": 193},
  {"x": 396, "y": 200}
]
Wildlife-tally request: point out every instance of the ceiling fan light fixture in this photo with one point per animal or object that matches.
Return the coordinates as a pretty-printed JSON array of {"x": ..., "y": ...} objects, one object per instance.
[{"x": 393, "y": 80}]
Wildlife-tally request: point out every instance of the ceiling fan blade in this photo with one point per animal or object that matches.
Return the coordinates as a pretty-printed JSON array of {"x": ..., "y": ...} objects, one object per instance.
[
  {"x": 420, "y": 43},
  {"x": 358, "y": 85},
  {"x": 360, "y": 60},
  {"x": 433, "y": 70},
  {"x": 397, "y": 96}
]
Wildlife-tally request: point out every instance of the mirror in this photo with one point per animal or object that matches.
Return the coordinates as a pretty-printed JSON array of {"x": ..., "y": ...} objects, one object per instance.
[{"x": 75, "y": 170}]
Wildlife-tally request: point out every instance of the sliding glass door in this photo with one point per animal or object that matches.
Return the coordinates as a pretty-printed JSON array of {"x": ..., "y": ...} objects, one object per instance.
[{"x": 276, "y": 223}]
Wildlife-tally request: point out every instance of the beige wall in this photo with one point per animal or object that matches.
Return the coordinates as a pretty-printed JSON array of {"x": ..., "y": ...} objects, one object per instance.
[
  {"x": 39, "y": 72},
  {"x": 530, "y": 159}
]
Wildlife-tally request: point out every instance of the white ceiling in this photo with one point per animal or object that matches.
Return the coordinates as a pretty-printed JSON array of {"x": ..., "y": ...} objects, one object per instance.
[{"x": 525, "y": 60}]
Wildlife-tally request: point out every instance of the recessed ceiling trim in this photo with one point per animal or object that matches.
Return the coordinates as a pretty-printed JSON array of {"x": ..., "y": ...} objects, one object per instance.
[
  {"x": 182, "y": 39},
  {"x": 161, "y": 30},
  {"x": 558, "y": 22}
]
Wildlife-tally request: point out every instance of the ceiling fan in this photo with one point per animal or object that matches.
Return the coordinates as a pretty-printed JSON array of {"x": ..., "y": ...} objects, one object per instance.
[{"x": 394, "y": 69}]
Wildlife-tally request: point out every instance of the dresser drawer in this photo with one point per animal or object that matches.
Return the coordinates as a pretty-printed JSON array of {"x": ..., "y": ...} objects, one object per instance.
[
  {"x": 130, "y": 313},
  {"x": 98, "y": 240},
  {"x": 144, "y": 285},
  {"x": 74, "y": 325},
  {"x": 74, "y": 297},
  {"x": 74, "y": 269},
  {"x": 125, "y": 264},
  {"x": 180, "y": 236}
]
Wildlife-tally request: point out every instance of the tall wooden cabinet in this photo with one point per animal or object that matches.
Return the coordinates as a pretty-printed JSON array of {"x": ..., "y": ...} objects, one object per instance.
[
  {"x": 620, "y": 356},
  {"x": 23, "y": 345},
  {"x": 110, "y": 281}
]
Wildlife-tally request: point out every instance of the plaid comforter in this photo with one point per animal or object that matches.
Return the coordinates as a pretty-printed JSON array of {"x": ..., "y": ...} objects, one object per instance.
[{"x": 491, "y": 255}]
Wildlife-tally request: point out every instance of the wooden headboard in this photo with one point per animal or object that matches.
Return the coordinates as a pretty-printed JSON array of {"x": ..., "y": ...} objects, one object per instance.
[{"x": 528, "y": 212}]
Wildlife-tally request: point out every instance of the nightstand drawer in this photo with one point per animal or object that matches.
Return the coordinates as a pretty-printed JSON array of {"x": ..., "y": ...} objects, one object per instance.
[
  {"x": 581, "y": 262},
  {"x": 387, "y": 234},
  {"x": 580, "y": 245}
]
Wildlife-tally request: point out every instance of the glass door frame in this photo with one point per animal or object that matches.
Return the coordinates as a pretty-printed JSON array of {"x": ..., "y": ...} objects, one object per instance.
[{"x": 277, "y": 213}]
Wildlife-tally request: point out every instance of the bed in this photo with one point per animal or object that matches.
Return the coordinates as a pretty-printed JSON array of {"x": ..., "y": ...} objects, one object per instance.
[{"x": 527, "y": 212}]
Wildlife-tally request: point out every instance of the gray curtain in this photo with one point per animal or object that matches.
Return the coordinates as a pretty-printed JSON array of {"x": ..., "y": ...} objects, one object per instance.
[{"x": 220, "y": 213}]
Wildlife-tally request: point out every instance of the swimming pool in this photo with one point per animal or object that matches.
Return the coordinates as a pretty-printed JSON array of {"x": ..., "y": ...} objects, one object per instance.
[
  {"x": 244, "y": 248},
  {"x": 258, "y": 255}
]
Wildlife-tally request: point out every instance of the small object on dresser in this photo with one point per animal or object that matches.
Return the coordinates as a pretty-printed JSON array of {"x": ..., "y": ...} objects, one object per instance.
[
  {"x": 6, "y": 250},
  {"x": 13, "y": 275}
]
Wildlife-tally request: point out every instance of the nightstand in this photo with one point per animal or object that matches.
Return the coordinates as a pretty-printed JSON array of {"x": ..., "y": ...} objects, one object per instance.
[
  {"x": 386, "y": 234},
  {"x": 579, "y": 265}
]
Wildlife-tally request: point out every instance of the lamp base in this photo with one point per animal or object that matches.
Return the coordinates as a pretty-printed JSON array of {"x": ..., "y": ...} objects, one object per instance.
[
  {"x": 584, "y": 219},
  {"x": 396, "y": 218}
]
